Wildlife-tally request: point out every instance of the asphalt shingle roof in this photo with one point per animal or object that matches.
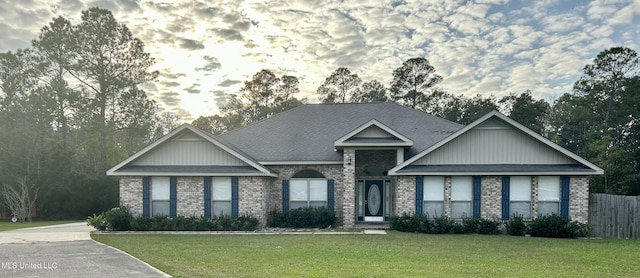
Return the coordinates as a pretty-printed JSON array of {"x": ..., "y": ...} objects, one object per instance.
[{"x": 308, "y": 132}]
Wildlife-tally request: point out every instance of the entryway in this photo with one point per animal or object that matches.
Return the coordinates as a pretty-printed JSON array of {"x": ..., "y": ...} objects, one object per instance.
[{"x": 373, "y": 200}]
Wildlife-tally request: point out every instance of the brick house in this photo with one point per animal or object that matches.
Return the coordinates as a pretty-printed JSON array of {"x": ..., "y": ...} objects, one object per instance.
[{"x": 366, "y": 162}]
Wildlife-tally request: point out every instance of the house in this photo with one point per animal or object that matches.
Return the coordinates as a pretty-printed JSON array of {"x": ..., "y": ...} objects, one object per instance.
[{"x": 366, "y": 162}]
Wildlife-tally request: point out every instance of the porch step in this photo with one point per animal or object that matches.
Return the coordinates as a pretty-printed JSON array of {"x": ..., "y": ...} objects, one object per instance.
[{"x": 372, "y": 225}]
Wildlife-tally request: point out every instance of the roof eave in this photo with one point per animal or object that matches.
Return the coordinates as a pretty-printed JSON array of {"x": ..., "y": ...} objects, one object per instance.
[
  {"x": 193, "y": 174},
  {"x": 484, "y": 173}
]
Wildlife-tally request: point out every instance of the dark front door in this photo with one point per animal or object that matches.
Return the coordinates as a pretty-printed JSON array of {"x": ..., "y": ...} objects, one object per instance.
[{"x": 373, "y": 200}]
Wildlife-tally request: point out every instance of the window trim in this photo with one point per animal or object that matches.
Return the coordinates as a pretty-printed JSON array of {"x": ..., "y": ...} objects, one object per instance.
[
  {"x": 214, "y": 201},
  {"x": 308, "y": 191},
  {"x": 513, "y": 201},
  {"x": 154, "y": 182},
  {"x": 428, "y": 180},
  {"x": 469, "y": 201},
  {"x": 558, "y": 184}
]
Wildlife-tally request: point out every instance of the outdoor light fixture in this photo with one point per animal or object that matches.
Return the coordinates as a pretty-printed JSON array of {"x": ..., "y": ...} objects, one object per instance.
[{"x": 349, "y": 161}]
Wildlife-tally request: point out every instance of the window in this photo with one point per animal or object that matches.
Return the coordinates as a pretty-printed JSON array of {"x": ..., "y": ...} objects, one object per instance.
[
  {"x": 307, "y": 193},
  {"x": 461, "y": 196},
  {"x": 220, "y": 196},
  {"x": 548, "y": 195},
  {"x": 160, "y": 195},
  {"x": 520, "y": 196},
  {"x": 433, "y": 196}
]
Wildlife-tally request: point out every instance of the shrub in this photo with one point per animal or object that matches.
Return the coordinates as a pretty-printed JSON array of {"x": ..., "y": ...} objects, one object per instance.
[
  {"x": 488, "y": 227},
  {"x": 405, "y": 223},
  {"x": 557, "y": 226},
  {"x": 118, "y": 219},
  {"x": 516, "y": 225},
  {"x": 470, "y": 225},
  {"x": 583, "y": 229},
  {"x": 445, "y": 225},
  {"x": 98, "y": 222},
  {"x": 303, "y": 218}
]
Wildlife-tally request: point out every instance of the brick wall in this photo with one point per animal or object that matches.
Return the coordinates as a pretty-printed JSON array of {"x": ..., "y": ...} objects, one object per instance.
[
  {"x": 579, "y": 199},
  {"x": 404, "y": 195},
  {"x": 131, "y": 194},
  {"x": 190, "y": 196},
  {"x": 252, "y": 194},
  {"x": 491, "y": 197},
  {"x": 348, "y": 190}
]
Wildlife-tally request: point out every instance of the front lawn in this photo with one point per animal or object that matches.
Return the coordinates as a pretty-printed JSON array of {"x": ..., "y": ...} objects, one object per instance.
[
  {"x": 6, "y": 225},
  {"x": 394, "y": 255}
]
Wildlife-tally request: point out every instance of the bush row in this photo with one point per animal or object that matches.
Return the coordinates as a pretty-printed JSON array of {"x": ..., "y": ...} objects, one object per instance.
[
  {"x": 544, "y": 226},
  {"x": 120, "y": 219},
  {"x": 442, "y": 225},
  {"x": 302, "y": 218}
]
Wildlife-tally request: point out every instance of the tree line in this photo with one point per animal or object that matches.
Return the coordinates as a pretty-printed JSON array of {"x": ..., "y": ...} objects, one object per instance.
[{"x": 72, "y": 105}]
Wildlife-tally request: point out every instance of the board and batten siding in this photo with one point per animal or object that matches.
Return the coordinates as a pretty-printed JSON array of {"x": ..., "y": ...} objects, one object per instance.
[
  {"x": 494, "y": 145},
  {"x": 373, "y": 132},
  {"x": 188, "y": 149}
]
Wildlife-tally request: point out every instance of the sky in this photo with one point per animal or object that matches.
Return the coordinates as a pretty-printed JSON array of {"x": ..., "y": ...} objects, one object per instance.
[{"x": 205, "y": 50}]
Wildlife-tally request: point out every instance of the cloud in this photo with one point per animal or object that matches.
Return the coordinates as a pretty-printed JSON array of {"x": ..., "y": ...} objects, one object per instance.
[
  {"x": 189, "y": 44},
  {"x": 227, "y": 34},
  {"x": 211, "y": 64},
  {"x": 193, "y": 89},
  {"x": 229, "y": 82}
]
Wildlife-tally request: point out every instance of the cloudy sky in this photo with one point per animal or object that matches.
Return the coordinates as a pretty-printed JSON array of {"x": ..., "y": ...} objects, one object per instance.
[{"x": 205, "y": 50}]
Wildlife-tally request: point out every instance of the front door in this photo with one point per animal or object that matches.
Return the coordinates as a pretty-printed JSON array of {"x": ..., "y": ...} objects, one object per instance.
[{"x": 373, "y": 200}]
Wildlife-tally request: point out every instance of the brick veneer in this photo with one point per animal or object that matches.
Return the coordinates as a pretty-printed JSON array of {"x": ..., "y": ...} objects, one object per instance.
[
  {"x": 252, "y": 194},
  {"x": 335, "y": 172},
  {"x": 131, "y": 194},
  {"x": 579, "y": 199},
  {"x": 259, "y": 195},
  {"x": 491, "y": 197},
  {"x": 190, "y": 196}
]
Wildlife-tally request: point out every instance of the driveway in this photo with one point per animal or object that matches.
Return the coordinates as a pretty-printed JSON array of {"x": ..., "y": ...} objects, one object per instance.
[{"x": 65, "y": 251}]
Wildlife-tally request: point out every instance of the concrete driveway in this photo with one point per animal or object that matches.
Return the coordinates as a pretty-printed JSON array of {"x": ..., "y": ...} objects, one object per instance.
[{"x": 65, "y": 251}]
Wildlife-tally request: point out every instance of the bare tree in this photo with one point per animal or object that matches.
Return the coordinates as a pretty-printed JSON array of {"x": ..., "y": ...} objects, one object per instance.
[{"x": 20, "y": 199}]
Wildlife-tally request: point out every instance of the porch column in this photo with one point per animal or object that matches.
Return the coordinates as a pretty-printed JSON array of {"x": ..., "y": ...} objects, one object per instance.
[{"x": 349, "y": 192}]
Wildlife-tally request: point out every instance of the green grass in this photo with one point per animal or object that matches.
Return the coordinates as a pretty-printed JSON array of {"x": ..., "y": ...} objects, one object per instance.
[
  {"x": 6, "y": 225},
  {"x": 393, "y": 255}
]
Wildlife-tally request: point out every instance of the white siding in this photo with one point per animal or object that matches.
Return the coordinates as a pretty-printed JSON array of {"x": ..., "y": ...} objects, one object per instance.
[
  {"x": 373, "y": 132},
  {"x": 188, "y": 149},
  {"x": 497, "y": 145}
]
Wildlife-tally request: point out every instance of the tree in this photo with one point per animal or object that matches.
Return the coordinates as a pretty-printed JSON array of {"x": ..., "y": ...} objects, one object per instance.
[
  {"x": 412, "y": 81},
  {"x": 108, "y": 61},
  {"x": 261, "y": 97},
  {"x": 69, "y": 107},
  {"x": 526, "y": 111},
  {"x": 20, "y": 199},
  {"x": 603, "y": 81},
  {"x": 372, "y": 91},
  {"x": 340, "y": 86}
]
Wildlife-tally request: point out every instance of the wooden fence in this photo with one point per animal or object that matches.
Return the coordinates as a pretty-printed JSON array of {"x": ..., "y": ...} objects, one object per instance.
[{"x": 615, "y": 216}]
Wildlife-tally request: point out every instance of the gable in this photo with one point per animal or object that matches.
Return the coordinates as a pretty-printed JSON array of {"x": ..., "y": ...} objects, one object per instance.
[
  {"x": 189, "y": 151},
  {"x": 187, "y": 148},
  {"x": 495, "y": 144},
  {"x": 373, "y": 133}
]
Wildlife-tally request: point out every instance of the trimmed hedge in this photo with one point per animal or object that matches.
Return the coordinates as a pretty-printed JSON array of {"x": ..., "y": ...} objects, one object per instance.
[
  {"x": 120, "y": 219},
  {"x": 414, "y": 223},
  {"x": 516, "y": 226},
  {"x": 557, "y": 226},
  {"x": 302, "y": 218}
]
